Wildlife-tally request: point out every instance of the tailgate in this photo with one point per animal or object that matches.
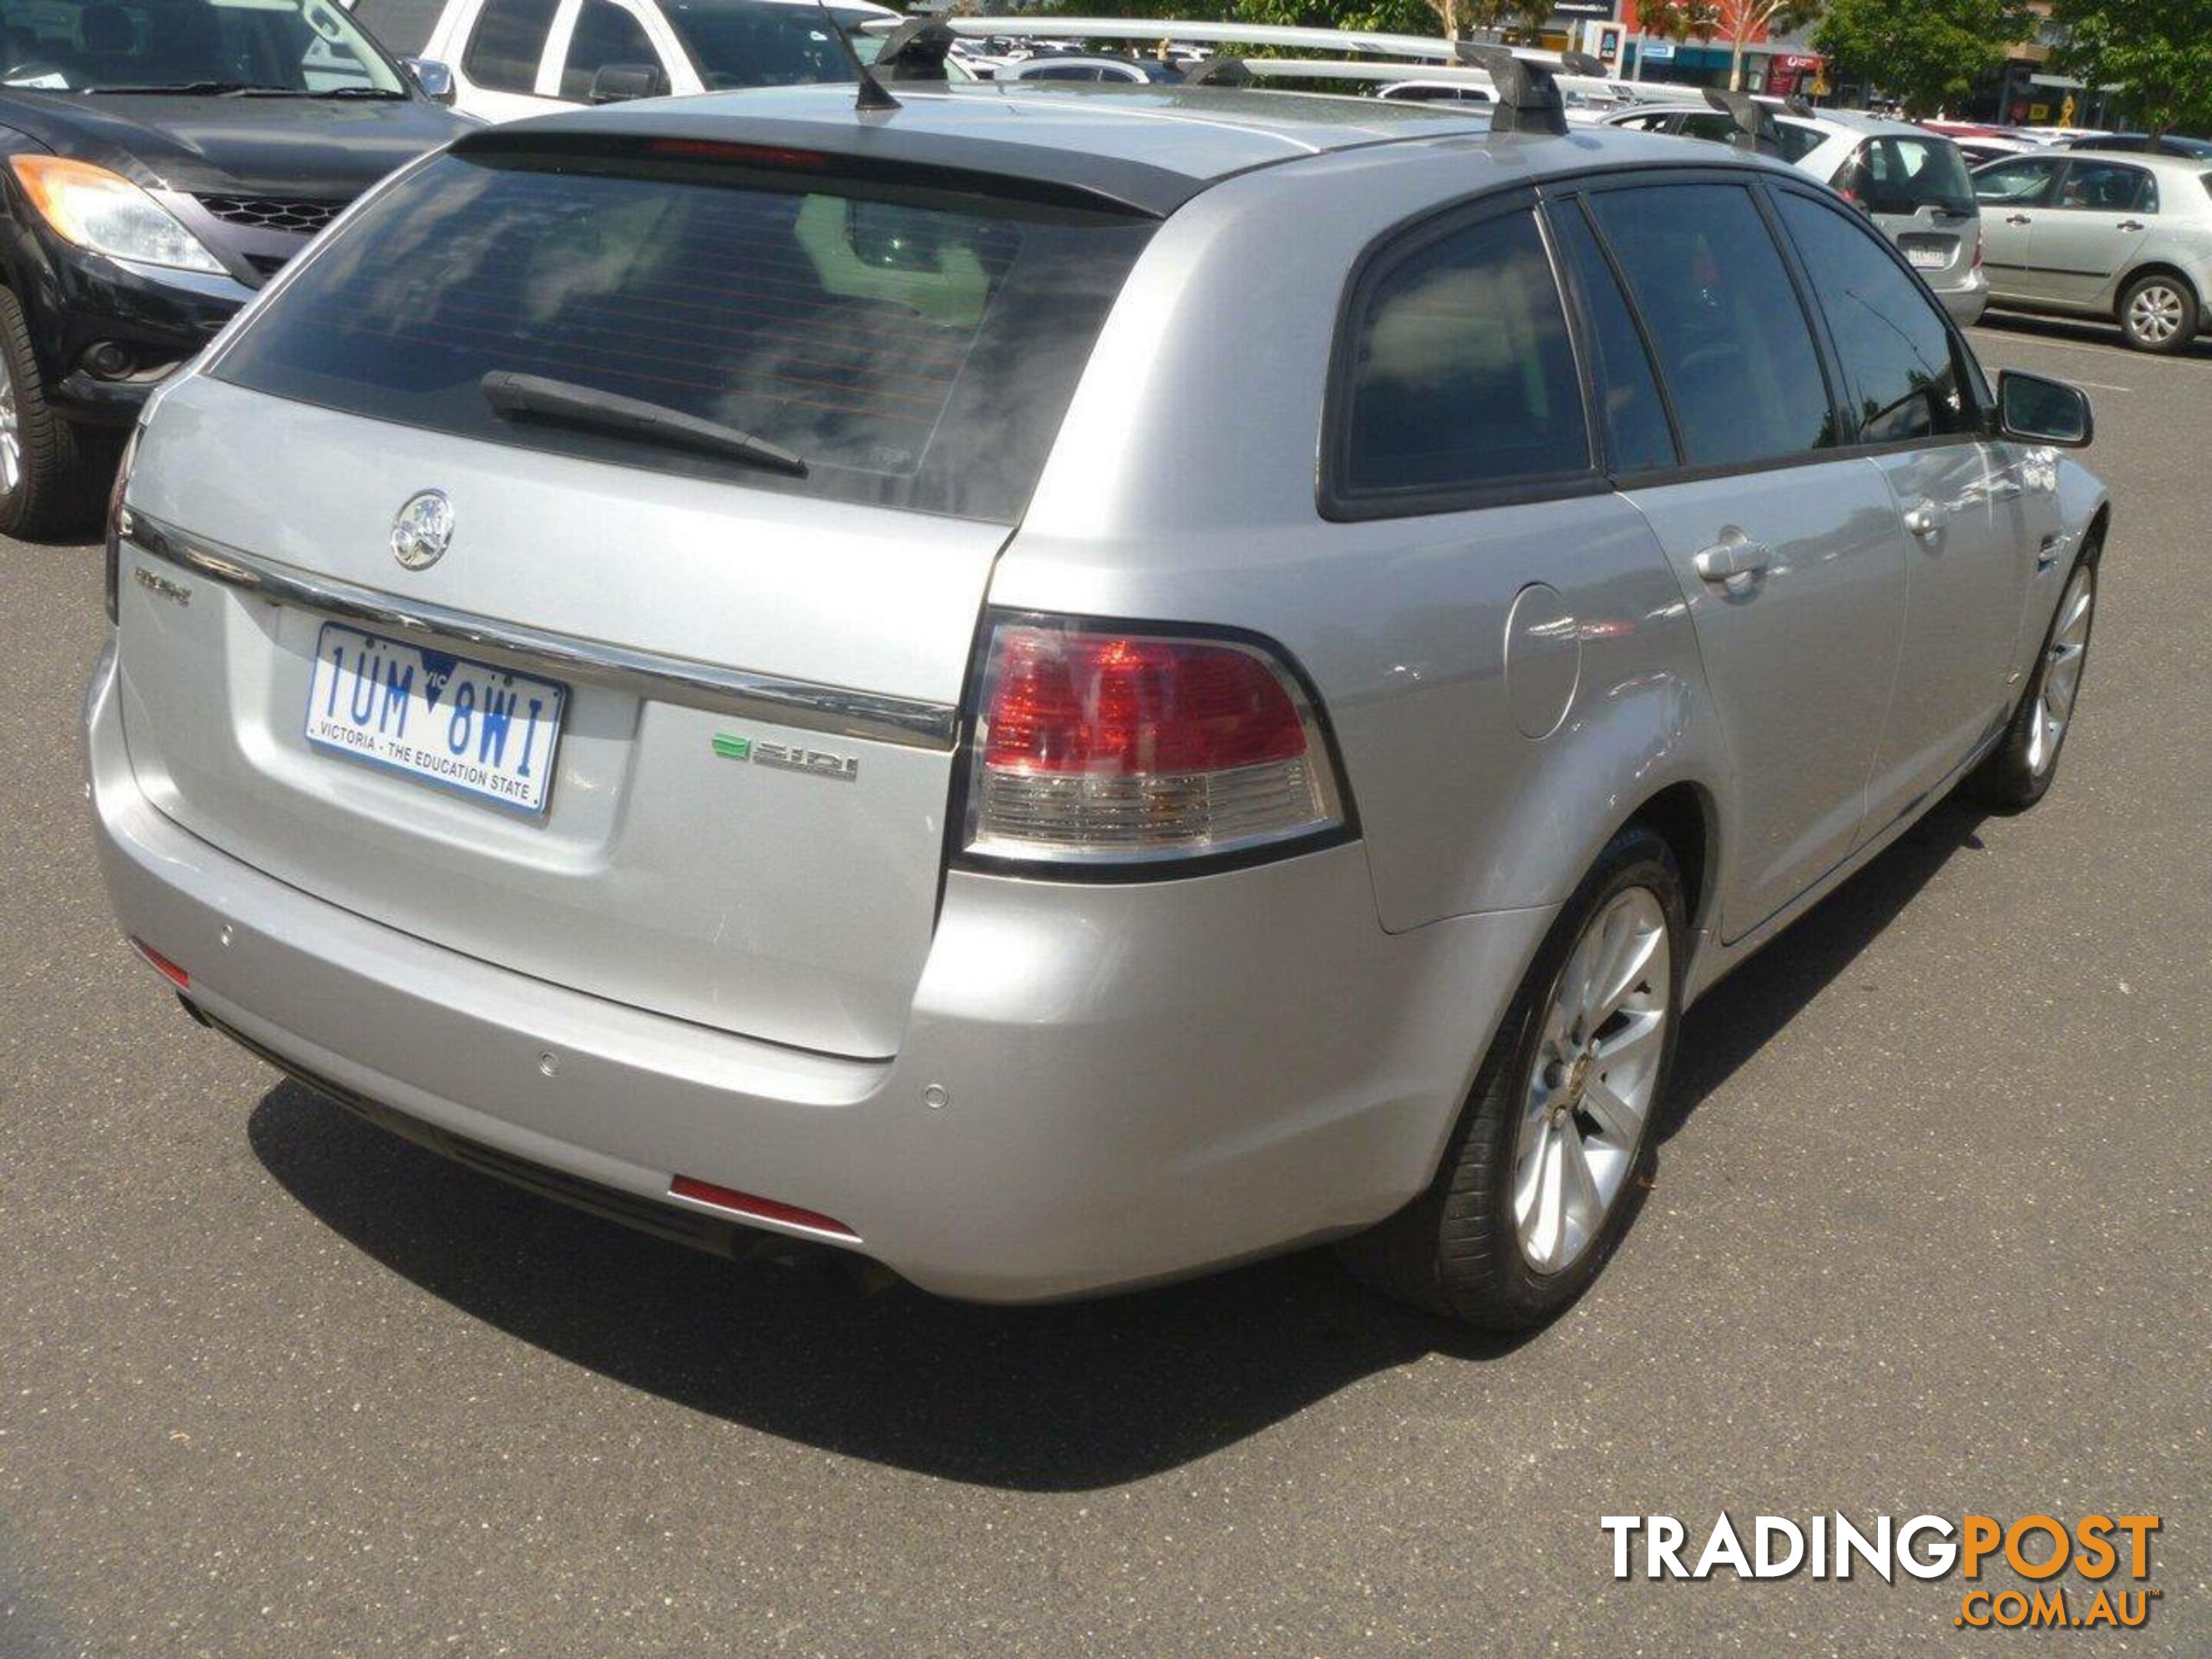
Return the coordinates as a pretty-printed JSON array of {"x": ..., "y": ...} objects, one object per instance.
[{"x": 675, "y": 866}]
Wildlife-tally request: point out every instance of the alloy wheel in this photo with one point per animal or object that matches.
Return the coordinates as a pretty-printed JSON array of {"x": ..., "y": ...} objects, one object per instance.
[
  {"x": 1596, "y": 1076},
  {"x": 2060, "y": 681},
  {"x": 2154, "y": 313},
  {"x": 11, "y": 433}
]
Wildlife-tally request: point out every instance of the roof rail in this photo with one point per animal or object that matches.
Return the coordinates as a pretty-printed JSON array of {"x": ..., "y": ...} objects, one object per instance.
[
  {"x": 1356, "y": 42},
  {"x": 1528, "y": 99}
]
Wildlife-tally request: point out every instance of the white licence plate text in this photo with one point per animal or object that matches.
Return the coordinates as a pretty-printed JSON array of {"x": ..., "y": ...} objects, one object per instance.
[
  {"x": 1928, "y": 259},
  {"x": 484, "y": 732}
]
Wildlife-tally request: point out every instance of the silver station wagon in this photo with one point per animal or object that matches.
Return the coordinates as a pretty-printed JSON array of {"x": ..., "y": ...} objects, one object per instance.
[{"x": 1061, "y": 686}]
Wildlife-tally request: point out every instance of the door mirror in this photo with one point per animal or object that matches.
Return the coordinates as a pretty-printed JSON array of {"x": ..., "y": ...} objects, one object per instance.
[
  {"x": 434, "y": 77},
  {"x": 618, "y": 83},
  {"x": 2043, "y": 411}
]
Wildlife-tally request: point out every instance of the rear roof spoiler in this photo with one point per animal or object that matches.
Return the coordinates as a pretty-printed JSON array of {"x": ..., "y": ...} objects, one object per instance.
[
  {"x": 662, "y": 133},
  {"x": 1755, "y": 130}
]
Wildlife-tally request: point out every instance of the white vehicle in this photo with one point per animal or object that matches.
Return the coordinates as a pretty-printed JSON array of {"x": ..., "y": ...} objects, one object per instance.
[
  {"x": 1087, "y": 66},
  {"x": 1912, "y": 182},
  {"x": 516, "y": 57}
]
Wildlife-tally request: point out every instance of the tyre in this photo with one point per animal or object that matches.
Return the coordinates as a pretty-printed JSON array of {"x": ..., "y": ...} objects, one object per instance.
[
  {"x": 1548, "y": 1162},
  {"x": 2018, "y": 770},
  {"x": 48, "y": 481},
  {"x": 2158, "y": 313}
]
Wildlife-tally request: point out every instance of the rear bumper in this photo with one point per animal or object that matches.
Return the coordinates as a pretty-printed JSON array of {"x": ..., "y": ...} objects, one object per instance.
[
  {"x": 1137, "y": 1081},
  {"x": 1967, "y": 301}
]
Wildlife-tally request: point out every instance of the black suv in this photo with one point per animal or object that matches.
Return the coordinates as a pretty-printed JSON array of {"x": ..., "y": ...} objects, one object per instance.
[{"x": 163, "y": 159}]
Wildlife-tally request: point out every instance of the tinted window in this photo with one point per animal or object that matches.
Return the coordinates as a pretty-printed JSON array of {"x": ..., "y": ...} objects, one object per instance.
[
  {"x": 95, "y": 46},
  {"x": 1895, "y": 347},
  {"x": 1719, "y": 127},
  {"x": 1797, "y": 142},
  {"x": 2108, "y": 187},
  {"x": 1637, "y": 434},
  {"x": 403, "y": 26},
  {"x": 1903, "y": 175},
  {"x": 2024, "y": 183},
  {"x": 503, "y": 53},
  {"x": 917, "y": 353},
  {"x": 1461, "y": 373},
  {"x": 1738, "y": 359},
  {"x": 605, "y": 33},
  {"x": 735, "y": 44}
]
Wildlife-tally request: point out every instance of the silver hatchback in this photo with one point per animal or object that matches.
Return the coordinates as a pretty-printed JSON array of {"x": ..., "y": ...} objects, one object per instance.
[{"x": 1061, "y": 686}]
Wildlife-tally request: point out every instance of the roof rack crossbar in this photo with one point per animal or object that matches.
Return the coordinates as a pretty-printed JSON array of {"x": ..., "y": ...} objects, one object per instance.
[{"x": 1528, "y": 99}]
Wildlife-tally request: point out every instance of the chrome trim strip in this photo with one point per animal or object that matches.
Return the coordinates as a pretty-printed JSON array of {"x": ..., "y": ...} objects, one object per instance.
[{"x": 806, "y": 705}]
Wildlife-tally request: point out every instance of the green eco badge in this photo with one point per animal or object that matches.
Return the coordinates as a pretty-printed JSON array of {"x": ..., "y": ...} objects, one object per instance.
[{"x": 788, "y": 757}]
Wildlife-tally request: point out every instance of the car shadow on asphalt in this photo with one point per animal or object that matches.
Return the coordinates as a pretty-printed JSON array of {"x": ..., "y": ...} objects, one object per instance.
[
  {"x": 2084, "y": 331},
  {"x": 1070, "y": 1397}
]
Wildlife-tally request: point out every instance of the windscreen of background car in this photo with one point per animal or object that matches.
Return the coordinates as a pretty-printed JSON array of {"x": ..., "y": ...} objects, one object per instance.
[
  {"x": 1903, "y": 175},
  {"x": 308, "y": 47},
  {"x": 735, "y": 44},
  {"x": 917, "y": 350}
]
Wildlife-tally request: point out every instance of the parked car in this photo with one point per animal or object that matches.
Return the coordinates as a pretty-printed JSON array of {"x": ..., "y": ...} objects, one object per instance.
[
  {"x": 514, "y": 57},
  {"x": 2090, "y": 234},
  {"x": 860, "y": 710},
  {"x": 1912, "y": 182},
  {"x": 163, "y": 160},
  {"x": 1089, "y": 66},
  {"x": 2166, "y": 144}
]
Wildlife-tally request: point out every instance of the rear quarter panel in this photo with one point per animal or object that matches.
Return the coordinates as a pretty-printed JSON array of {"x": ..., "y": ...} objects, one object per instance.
[{"x": 1184, "y": 489}]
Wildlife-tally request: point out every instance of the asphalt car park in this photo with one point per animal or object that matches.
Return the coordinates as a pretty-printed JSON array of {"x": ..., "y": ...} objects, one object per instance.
[{"x": 1926, "y": 1236}]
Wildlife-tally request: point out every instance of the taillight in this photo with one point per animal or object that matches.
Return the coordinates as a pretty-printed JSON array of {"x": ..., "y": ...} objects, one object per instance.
[
  {"x": 116, "y": 521},
  {"x": 1097, "y": 746},
  {"x": 161, "y": 965},
  {"x": 1977, "y": 245}
]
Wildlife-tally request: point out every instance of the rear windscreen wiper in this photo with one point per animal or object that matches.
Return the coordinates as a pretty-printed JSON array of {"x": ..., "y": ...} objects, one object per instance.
[{"x": 531, "y": 397}]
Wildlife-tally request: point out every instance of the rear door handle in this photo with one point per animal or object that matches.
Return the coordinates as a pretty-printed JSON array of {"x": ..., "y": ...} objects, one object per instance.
[
  {"x": 1734, "y": 562},
  {"x": 2131, "y": 224},
  {"x": 1924, "y": 521},
  {"x": 2018, "y": 219}
]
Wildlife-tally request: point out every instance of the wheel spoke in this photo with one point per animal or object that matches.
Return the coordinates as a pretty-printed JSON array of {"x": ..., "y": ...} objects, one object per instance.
[
  {"x": 1631, "y": 961},
  {"x": 1578, "y": 1192},
  {"x": 1636, "y": 1044},
  {"x": 1619, "y": 1122},
  {"x": 2064, "y": 676}
]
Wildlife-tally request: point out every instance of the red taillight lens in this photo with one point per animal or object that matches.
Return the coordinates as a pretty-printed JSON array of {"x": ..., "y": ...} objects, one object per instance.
[
  {"x": 161, "y": 965},
  {"x": 1099, "y": 746},
  {"x": 1977, "y": 247},
  {"x": 758, "y": 1209},
  {"x": 1106, "y": 702}
]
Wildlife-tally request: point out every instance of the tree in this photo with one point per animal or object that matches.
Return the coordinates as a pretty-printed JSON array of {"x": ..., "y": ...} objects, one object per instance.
[
  {"x": 2158, "y": 51},
  {"x": 1739, "y": 22},
  {"x": 1927, "y": 54}
]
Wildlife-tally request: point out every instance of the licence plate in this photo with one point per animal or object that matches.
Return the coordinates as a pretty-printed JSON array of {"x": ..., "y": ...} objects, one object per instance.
[
  {"x": 1928, "y": 259},
  {"x": 482, "y": 732}
]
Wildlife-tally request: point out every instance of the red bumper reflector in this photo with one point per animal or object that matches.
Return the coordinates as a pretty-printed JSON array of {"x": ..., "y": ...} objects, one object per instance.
[
  {"x": 161, "y": 965},
  {"x": 757, "y": 1209}
]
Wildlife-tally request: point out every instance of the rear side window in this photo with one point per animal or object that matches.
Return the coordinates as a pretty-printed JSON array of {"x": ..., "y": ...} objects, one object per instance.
[
  {"x": 1638, "y": 437},
  {"x": 1457, "y": 372},
  {"x": 401, "y": 26},
  {"x": 605, "y": 35},
  {"x": 509, "y": 41},
  {"x": 1896, "y": 349},
  {"x": 1797, "y": 141},
  {"x": 1903, "y": 175},
  {"x": 915, "y": 349},
  {"x": 2108, "y": 187},
  {"x": 1734, "y": 346}
]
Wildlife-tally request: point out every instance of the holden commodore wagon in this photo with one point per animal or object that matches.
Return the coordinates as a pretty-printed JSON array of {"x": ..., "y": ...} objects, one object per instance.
[{"x": 1056, "y": 686}]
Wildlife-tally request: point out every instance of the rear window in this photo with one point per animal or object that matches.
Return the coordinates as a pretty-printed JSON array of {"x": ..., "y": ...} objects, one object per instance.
[
  {"x": 1903, "y": 175},
  {"x": 915, "y": 350}
]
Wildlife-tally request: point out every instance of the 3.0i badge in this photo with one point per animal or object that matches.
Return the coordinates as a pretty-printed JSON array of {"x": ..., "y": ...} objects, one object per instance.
[{"x": 788, "y": 757}]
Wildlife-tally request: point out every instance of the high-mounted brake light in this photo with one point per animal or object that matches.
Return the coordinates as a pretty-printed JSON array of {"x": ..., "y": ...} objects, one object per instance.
[{"x": 1097, "y": 746}]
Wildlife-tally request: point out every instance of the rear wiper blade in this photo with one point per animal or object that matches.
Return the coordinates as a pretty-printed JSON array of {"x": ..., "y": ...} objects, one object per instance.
[{"x": 533, "y": 396}]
